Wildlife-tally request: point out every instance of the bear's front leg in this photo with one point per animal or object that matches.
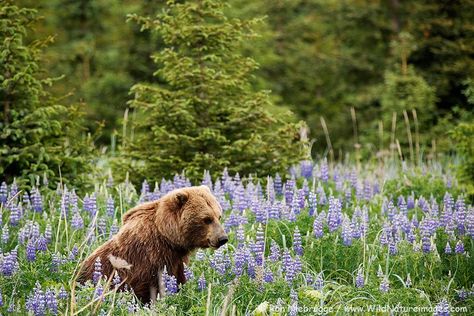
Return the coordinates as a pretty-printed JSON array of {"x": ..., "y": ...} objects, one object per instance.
[{"x": 153, "y": 294}]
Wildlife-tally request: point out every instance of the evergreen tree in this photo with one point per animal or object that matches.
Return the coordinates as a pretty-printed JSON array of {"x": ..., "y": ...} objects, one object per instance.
[
  {"x": 91, "y": 51},
  {"x": 206, "y": 116},
  {"x": 37, "y": 135}
]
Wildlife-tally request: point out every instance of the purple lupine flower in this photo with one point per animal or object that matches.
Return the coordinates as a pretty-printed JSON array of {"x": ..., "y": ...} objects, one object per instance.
[
  {"x": 355, "y": 229},
  {"x": 145, "y": 190},
  {"x": 324, "y": 171},
  {"x": 300, "y": 198},
  {"x": 110, "y": 208},
  {"x": 26, "y": 200},
  {"x": 77, "y": 222},
  {"x": 55, "y": 261},
  {"x": 171, "y": 285},
  {"x": 1, "y": 299},
  {"x": 359, "y": 281},
  {"x": 113, "y": 228},
  {"x": 459, "y": 249},
  {"x": 334, "y": 213},
  {"x": 410, "y": 202},
  {"x": 322, "y": 199},
  {"x": 447, "y": 249},
  {"x": 116, "y": 279},
  {"x": 297, "y": 265},
  {"x": 306, "y": 167},
  {"x": 384, "y": 285},
  {"x": 462, "y": 294},
  {"x": 101, "y": 226},
  {"x": 408, "y": 281},
  {"x": 470, "y": 222},
  {"x": 384, "y": 236},
  {"x": 73, "y": 253},
  {"x": 270, "y": 190},
  {"x": 3, "y": 193},
  {"x": 274, "y": 252},
  {"x": 460, "y": 214},
  {"x": 286, "y": 260},
  {"x": 48, "y": 233},
  {"x": 309, "y": 278},
  {"x": 5, "y": 234},
  {"x": 346, "y": 232},
  {"x": 97, "y": 274},
  {"x": 288, "y": 191},
  {"x": 251, "y": 264},
  {"x": 426, "y": 244},
  {"x": 37, "y": 201},
  {"x": 13, "y": 189},
  {"x": 274, "y": 211},
  {"x": 442, "y": 308},
  {"x": 15, "y": 214},
  {"x": 292, "y": 215},
  {"x": 259, "y": 211},
  {"x": 259, "y": 245},
  {"x": 290, "y": 272},
  {"x": 353, "y": 178},
  {"x": 41, "y": 243},
  {"x": 240, "y": 236},
  {"x": 278, "y": 184},
  {"x": 239, "y": 261},
  {"x": 313, "y": 203},
  {"x": 293, "y": 309},
  {"x": 297, "y": 246},
  {"x": 295, "y": 206},
  {"x": 202, "y": 283},
  {"x": 268, "y": 276},
  {"x": 62, "y": 295},
  {"x": 318, "y": 225},
  {"x": 392, "y": 247},
  {"x": 99, "y": 290},
  {"x": 217, "y": 261},
  {"x": 51, "y": 301},
  {"x": 448, "y": 200},
  {"x": 200, "y": 255},
  {"x": 36, "y": 301},
  {"x": 367, "y": 190},
  {"x": 319, "y": 282},
  {"x": 31, "y": 250}
]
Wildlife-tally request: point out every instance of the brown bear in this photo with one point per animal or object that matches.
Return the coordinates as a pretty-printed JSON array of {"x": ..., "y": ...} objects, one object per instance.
[{"x": 160, "y": 234}]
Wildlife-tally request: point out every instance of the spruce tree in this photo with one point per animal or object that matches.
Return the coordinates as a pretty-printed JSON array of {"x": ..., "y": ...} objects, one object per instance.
[
  {"x": 206, "y": 116},
  {"x": 37, "y": 135}
]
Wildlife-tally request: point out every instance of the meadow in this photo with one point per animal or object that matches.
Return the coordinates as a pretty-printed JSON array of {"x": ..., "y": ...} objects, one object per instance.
[{"x": 384, "y": 237}]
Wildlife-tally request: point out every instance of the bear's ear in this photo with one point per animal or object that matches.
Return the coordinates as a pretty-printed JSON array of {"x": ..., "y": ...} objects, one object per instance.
[{"x": 181, "y": 199}]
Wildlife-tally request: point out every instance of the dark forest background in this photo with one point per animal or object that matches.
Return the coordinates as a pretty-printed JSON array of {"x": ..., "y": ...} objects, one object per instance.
[{"x": 366, "y": 76}]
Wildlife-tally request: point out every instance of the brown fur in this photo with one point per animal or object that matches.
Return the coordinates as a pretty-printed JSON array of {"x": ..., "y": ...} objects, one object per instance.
[{"x": 158, "y": 234}]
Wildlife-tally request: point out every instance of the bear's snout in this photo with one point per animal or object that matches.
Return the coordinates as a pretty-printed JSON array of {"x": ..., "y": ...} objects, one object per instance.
[{"x": 222, "y": 241}]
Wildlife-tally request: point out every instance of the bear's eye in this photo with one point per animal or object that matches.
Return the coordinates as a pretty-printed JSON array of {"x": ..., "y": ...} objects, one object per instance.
[{"x": 208, "y": 220}]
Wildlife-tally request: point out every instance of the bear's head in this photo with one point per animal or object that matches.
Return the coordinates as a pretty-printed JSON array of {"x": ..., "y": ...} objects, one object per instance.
[{"x": 193, "y": 218}]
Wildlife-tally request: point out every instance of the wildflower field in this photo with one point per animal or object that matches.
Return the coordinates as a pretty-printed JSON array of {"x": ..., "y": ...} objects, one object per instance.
[{"x": 324, "y": 240}]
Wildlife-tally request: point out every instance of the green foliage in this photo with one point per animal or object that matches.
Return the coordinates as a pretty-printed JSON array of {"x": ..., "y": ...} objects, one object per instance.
[
  {"x": 407, "y": 92},
  {"x": 463, "y": 136},
  {"x": 91, "y": 51},
  {"x": 205, "y": 116},
  {"x": 323, "y": 57},
  {"x": 38, "y": 136}
]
